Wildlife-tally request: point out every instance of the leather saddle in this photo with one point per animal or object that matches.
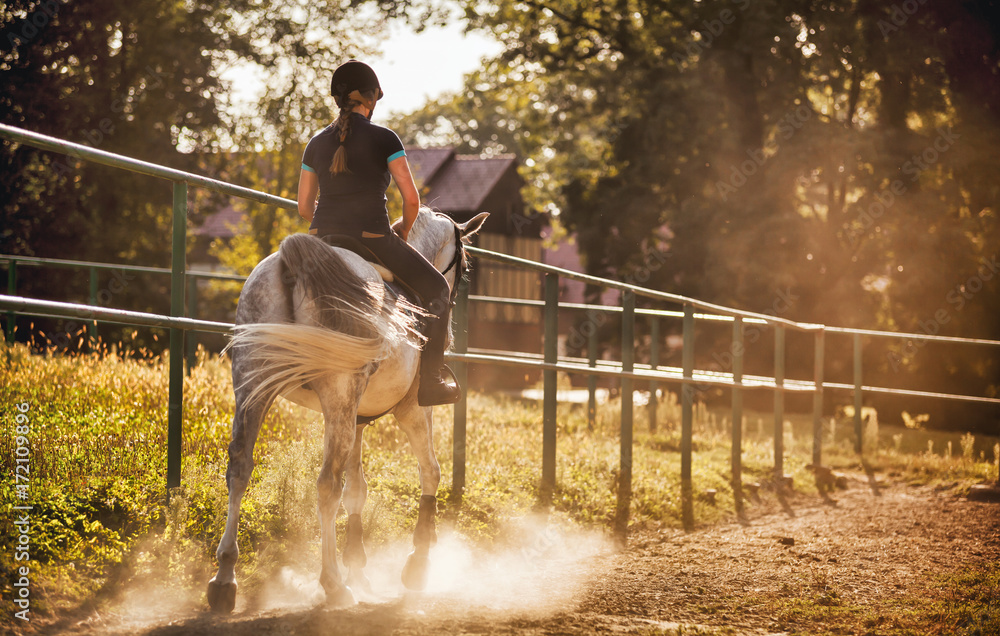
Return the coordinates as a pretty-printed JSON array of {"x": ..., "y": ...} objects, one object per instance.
[{"x": 352, "y": 244}]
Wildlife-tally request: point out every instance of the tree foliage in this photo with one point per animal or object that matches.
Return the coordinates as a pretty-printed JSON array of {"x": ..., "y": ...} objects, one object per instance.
[
  {"x": 832, "y": 161},
  {"x": 154, "y": 80}
]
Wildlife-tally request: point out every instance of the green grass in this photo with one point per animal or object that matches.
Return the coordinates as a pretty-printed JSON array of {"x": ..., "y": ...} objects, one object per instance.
[
  {"x": 966, "y": 602},
  {"x": 98, "y": 457}
]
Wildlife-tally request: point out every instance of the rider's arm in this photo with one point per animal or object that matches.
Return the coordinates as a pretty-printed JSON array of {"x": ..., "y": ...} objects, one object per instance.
[
  {"x": 400, "y": 171},
  {"x": 308, "y": 187}
]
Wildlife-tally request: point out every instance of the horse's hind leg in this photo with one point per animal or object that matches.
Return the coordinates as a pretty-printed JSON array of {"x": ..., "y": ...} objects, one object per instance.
[
  {"x": 416, "y": 421},
  {"x": 340, "y": 396},
  {"x": 355, "y": 494},
  {"x": 246, "y": 426}
]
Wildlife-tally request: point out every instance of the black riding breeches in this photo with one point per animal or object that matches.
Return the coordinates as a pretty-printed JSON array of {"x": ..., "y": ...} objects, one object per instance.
[{"x": 408, "y": 266}]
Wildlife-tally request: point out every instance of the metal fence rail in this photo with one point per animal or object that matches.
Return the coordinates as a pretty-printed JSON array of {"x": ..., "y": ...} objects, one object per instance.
[
  {"x": 612, "y": 369},
  {"x": 94, "y": 269},
  {"x": 180, "y": 181},
  {"x": 548, "y": 361},
  {"x": 689, "y": 378},
  {"x": 53, "y": 309}
]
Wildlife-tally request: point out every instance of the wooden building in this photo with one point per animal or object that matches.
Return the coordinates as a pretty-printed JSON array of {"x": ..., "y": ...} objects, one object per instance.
[{"x": 463, "y": 186}]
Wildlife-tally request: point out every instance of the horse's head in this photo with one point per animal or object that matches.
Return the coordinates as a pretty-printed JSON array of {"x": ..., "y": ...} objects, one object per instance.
[{"x": 440, "y": 239}]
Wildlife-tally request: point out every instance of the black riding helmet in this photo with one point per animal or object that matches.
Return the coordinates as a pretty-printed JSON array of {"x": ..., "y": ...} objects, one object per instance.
[{"x": 353, "y": 76}]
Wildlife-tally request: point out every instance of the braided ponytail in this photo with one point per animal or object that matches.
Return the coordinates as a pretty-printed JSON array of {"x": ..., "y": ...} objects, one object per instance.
[{"x": 343, "y": 125}]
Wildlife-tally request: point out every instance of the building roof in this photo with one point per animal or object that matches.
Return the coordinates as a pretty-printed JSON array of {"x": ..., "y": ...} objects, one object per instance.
[
  {"x": 457, "y": 183},
  {"x": 426, "y": 162}
]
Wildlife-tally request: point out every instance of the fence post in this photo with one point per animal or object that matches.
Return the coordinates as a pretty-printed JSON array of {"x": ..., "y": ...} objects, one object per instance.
[
  {"x": 175, "y": 407},
  {"x": 779, "y": 406},
  {"x": 459, "y": 435},
  {"x": 857, "y": 393},
  {"x": 92, "y": 301},
  {"x": 625, "y": 472},
  {"x": 592, "y": 379},
  {"x": 11, "y": 291},
  {"x": 737, "y": 458},
  {"x": 654, "y": 362},
  {"x": 549, "y": 382},
  {"x": 192, "y": 312},
  {"x": 818, "y": 363},
  {"x": 687, "y": 417}
]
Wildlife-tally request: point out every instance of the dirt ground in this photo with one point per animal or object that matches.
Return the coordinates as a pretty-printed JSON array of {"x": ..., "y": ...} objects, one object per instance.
[{"x": 874, "y": 551}]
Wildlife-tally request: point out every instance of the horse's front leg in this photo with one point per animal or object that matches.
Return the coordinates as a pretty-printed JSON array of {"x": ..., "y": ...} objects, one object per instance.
[
  {"x": 417, "y": 422},
  {"x": 246, "y": 425},
  {"x": 355, "y": 494}
]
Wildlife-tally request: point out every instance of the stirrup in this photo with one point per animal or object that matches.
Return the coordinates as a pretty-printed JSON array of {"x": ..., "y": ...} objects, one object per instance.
[{"x": 437, "y": 390}]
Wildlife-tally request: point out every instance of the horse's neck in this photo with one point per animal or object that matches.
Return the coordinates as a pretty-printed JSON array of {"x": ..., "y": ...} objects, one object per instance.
[{"x": 424, "y": 239}]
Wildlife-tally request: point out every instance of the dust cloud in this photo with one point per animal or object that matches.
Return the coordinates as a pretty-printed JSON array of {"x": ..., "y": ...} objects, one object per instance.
[
  {"x": 153, "y": 603},
  {"x": 534, "y": 568}
]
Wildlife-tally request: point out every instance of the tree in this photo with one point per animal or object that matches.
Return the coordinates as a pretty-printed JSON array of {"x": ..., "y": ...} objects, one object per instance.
[
  {"x": 837, "y": 153},
  {"x": 143, "y": 80}
]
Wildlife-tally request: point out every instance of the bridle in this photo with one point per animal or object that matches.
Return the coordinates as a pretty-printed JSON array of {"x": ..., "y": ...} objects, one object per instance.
[
  {"x": 459, "y": 252},
  {"x": 458, "y": 260}
]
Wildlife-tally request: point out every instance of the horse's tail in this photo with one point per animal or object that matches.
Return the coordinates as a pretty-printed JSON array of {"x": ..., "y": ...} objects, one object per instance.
[{"x": 340, "y": 322}]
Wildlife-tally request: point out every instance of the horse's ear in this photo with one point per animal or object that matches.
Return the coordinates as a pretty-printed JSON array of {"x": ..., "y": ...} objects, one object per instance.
[{"x": 473, "y": 225}]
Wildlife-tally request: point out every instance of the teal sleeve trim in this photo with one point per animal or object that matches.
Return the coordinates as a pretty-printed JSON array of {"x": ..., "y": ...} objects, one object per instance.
[
  {"x": 394, "y": 156},
  {"x": 305, "y": 167}
]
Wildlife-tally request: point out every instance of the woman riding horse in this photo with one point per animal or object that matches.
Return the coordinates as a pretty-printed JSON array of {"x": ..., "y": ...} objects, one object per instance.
[
  {"x": 350, "y": 163},
  {"x": 315, "y": 325}
]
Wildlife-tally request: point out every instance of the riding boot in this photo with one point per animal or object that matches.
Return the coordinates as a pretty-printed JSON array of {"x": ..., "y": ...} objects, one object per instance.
[{"x": 434, "y": 385}]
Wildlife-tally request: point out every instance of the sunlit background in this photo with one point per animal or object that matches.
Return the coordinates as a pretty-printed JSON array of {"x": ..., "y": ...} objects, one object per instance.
[{"x": 830, "y": 163}]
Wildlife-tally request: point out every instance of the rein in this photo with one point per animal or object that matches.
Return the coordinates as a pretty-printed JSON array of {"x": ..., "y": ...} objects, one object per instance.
[
  {"x": 459, "y": 252},
  {"x": 459, "y": 257}
]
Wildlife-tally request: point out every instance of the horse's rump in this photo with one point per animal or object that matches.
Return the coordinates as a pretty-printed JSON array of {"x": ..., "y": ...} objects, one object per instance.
[
  {"x": 343, "y": 301},
  {"x": 340, "y": 322}
]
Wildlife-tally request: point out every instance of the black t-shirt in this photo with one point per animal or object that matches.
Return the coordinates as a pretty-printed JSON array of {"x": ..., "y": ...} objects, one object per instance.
[{"x": 354, "y": 201}]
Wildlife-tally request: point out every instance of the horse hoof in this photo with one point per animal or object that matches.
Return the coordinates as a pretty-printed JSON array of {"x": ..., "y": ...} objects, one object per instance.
[
  {"x": 222, "y": 596},
  {"x": 358, "y": 581},
  {"x": 340, "y": 597},
  {"x": 415, "y": 572}
]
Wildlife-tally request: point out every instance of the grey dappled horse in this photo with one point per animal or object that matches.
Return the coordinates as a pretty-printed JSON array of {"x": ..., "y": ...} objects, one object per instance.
[{"x": 316, "y": 325}]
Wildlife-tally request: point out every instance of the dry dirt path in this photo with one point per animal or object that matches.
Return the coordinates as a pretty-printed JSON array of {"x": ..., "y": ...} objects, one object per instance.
[{"x": 866, "y": 560}]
